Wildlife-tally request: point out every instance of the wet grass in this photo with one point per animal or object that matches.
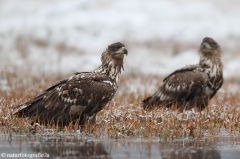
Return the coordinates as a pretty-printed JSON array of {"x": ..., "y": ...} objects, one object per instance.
[{"x": 123, "y": 117}]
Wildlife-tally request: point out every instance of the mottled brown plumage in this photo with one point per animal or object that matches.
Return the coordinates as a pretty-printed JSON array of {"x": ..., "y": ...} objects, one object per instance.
[
  {"x": 194, "y": 85},
  {"x": 80, "y": 97}
]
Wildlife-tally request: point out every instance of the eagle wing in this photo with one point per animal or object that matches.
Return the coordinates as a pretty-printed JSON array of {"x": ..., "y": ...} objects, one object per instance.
[
  {"x": 184, "y": 69},
  {"x": 183, "y": 86},
  {"x": 21, "y": 109},
  {"x": 82, "y": 93}
]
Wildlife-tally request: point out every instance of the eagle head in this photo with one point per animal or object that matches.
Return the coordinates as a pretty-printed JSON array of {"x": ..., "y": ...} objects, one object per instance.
[
  {"x": 117, "y": 50},
  {"x": 114, "y": 55},
  {"x": 209, "y": 47}
]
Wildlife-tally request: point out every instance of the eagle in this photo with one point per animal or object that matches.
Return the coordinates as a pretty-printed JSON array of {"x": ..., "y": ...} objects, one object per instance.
[
  {"x": 191, "y": 86},
  {"x": 79, "y": 98}
]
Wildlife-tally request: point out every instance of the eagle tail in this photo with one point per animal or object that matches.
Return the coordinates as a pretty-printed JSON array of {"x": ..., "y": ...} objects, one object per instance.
[
  {"x": 30, "y": 108},
  {"x": 154, "y": 101},
  {"x": 145, "y": 103},
  {"x": 151, "y": 102},
  {"x": 37, "y": 105}
]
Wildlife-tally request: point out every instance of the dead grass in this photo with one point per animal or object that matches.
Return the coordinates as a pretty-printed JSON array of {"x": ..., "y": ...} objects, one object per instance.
[{"x": 123, "y": 118}]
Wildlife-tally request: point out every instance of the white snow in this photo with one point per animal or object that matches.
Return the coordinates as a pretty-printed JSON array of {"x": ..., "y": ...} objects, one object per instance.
[{"x": 161, "y": 36}]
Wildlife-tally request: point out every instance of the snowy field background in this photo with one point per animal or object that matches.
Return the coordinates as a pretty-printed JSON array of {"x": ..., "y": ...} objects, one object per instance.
[{"x": 68, "y": 36}]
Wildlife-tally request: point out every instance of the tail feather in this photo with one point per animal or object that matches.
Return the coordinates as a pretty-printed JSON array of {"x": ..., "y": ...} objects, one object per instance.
[
  {"x": 29, "y": 108},
  {"x": 146, "y": 103},
  {"x": 37, "y": 108},
  {"x": 153, "y": 101},
  {"x": 43, "y": 111}
]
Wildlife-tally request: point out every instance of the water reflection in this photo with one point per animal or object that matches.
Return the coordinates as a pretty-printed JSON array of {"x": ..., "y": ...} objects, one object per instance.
[
  {"x": 215, "y": 148},
  {"x": 191, "y": 150},
  {"x": 71, "y": 149}
]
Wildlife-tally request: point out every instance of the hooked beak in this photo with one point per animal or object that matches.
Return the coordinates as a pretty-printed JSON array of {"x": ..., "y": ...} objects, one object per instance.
[
  {"x": 125, "y": 51},
  {"x": 122, "y": 51},
  {"x": 205, "y": 46}
]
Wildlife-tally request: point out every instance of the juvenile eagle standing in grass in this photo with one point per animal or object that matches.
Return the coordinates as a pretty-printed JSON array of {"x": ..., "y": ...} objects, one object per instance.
[
  {"x": 193, "y": 85},
  {"x": 80, "y": 97}
]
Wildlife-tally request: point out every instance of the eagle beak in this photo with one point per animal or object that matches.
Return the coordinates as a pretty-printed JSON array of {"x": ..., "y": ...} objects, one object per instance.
[
  {"x": 122, "y": 50},
  {"x": 120, "y": 53},
  {"x": 205, "y": 46},
  {"x": 125, "y": 51}
]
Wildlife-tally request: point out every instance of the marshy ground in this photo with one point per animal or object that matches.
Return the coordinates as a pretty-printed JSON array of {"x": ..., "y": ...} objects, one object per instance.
[
  {"x": 123, "y": 122},
  {"x": 123, "y": 129},
  {"x": 123, "y": 117}
]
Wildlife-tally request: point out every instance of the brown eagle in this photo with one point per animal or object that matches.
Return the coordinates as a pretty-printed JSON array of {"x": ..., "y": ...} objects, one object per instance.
[
  {"x": 193, "y": 85},
  {"x": 80, "y": 97}
]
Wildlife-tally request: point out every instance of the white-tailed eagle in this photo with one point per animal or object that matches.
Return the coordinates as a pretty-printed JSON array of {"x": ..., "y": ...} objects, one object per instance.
[
  {"x": 193, "y": 85},
  {"x": 80, "y": 97}
]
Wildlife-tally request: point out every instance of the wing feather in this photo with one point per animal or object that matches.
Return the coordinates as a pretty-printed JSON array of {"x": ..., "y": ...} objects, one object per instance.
[
  {"x": 179, "y": 88},
  {"x": 27, "y": 109},
  {"x": 184, "y": 69},
  {"x": 82, "y": 93}
]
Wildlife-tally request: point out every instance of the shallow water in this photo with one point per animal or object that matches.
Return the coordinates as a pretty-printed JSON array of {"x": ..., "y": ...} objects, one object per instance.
[{"x": 212, "y": 148}]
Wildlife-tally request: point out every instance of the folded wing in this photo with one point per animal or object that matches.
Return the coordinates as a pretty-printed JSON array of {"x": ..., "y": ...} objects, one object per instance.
[
  {"x": 70, "y": 99},
  {"x": 185, "y": 86}
]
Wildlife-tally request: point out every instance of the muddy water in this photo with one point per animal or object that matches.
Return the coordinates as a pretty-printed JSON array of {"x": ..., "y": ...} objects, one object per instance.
[{"x": 211, "y": 148}]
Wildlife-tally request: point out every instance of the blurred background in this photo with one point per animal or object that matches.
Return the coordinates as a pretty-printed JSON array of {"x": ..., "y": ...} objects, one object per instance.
[
  {"x": 43, "y": 41},
  {"x": 58, "y": 36}
]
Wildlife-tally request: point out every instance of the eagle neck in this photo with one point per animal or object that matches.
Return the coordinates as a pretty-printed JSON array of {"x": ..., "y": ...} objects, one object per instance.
[
  {"x": 110, "y": 70},
  {"x": 214, "y": 68}
]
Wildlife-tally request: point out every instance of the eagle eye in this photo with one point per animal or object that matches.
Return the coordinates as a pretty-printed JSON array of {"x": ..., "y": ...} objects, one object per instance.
[
  {"x": 115, "y": 48},
  {"x": 212, "y": 44}
]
